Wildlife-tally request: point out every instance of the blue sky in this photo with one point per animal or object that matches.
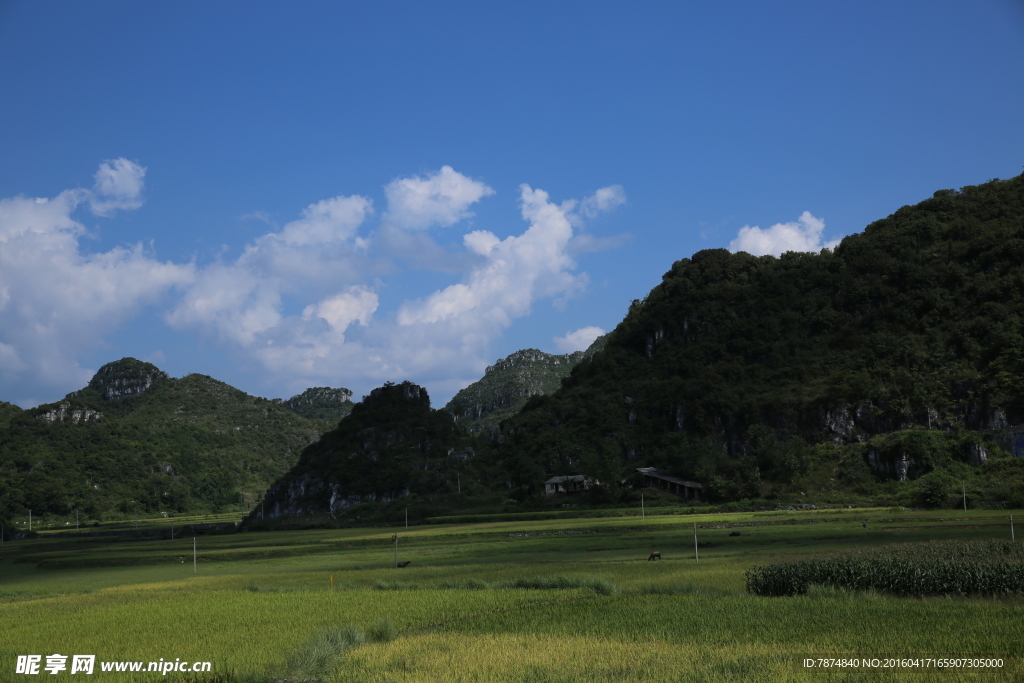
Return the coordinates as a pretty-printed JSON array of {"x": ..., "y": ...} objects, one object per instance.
[{"x": 284, "y": 195}]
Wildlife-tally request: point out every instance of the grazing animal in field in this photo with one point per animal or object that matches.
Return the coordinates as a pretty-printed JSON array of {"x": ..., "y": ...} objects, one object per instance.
[
  {"x": 656, "y": 555},
  {"x": 400, "y": 565},
  {"x": 735, "y": 533}
]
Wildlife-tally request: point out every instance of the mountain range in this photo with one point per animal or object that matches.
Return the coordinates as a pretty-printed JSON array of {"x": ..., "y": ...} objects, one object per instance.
[{"x": 136, "y": 438}]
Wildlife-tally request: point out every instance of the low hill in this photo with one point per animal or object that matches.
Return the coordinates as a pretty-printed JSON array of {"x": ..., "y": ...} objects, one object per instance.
[
  {"x": 508, "y": 384},
  {"x": 136, "y": 437},
  {"x": 392, "y": 444}
]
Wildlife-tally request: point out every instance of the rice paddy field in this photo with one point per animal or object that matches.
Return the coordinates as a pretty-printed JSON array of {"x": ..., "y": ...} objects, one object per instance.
[{"x": 570, "y": 599}]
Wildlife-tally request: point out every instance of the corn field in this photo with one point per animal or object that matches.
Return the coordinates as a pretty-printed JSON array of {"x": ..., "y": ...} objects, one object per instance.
[{"x": 910, "y": 569}]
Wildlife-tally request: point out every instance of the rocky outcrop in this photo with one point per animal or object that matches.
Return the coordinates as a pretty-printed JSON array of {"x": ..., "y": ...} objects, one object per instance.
[{"x": 63, "y": 412}]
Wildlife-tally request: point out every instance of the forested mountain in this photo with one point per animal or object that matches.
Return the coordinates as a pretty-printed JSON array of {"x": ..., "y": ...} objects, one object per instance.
[
  {"x": 137, "y": 437},
  {"x": 508, "y": 384},
  {"x": 899, "y": 352}
]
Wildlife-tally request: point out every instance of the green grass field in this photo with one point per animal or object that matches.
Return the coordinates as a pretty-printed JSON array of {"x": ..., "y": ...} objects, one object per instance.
[{"x": 571, "y": 599}]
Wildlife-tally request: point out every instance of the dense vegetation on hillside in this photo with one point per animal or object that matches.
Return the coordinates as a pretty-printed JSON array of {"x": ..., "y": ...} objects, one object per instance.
[
  {"x": 135, "y": 437},
  {"x": 745, "y": 372},
  {"x": 508, "y": 384}
]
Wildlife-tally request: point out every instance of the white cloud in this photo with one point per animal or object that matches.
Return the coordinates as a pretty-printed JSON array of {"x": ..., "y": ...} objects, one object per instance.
[
  {"x": 605, "y": 199},
  {"x": 344, "y": 308},
  {"x": 580, "y": 340},
  {"x": 439, "y": 199},
  {"x": 803, "y": 234},
  {"x": 518, "y": 270},
  {"x": 119, "y": 184},
  {"x": 56, "y": 301},
  {"x": 330, "y": 220},
  {"x": 242, "y": 302}
]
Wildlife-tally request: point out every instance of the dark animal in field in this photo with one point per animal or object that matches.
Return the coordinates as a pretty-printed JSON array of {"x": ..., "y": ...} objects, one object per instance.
[
  {"x": 656, "y": 555},
  {"x": 735, "y": 533},
  {"x": 403, "y": 564}
]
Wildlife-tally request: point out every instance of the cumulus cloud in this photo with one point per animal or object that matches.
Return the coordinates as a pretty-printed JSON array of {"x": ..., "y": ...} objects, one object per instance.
[
  {"x": 241, "y": 302},
  {"x": 441, "y": 199},
  {"x": 517, "y": 270},
  {"x": 803, "y": 234},
  {"x": 118, "y": 186},
  {"x": 56, "y": 300},
  {"x": 341, "y": 310},
  {"x": 580, "y": 340},
  {"x": 304, "y": 301}
]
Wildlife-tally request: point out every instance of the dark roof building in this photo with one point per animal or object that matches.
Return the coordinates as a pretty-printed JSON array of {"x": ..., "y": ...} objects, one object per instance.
[{"x": 663, "y": 480}]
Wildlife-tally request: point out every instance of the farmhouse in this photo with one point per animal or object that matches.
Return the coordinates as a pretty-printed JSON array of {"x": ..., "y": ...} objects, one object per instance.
[
  {"x": 680, "y": 487},
  {"x": 569, "y": 484}
]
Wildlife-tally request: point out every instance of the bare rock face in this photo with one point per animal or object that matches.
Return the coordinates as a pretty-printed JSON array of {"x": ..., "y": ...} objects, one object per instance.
[
  {"x": 839, "y": 421},
  {"x": 978, "y": 455},
  {"x": 126, "y": 377},
  {"x": 63, "y": 412}
]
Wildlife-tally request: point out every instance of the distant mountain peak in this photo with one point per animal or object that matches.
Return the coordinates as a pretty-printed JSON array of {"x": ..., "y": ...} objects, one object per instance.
[
  {"x": 391, "y": 392},
  {"x": 320, "y": 403},
  {"x": 508, "y": 384},
  {"x": 531, "y": 356},
  {"x": 126, "y": 377}
]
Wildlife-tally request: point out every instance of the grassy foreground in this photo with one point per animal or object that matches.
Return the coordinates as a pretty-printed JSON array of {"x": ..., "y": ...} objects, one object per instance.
[{"x": 544, "y": 600}]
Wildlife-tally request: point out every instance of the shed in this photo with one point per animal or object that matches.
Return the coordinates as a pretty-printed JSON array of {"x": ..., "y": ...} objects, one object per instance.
[
  {"x": 663, "y": 480},
  {"x": 569, "y": 484}
]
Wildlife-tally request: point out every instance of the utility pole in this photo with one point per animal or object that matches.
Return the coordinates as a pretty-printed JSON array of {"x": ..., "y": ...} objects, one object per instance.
[
  {"x": 696, "y": 557},
  {"x": 395, "y": 539},
  {"x": 964, "y": 489},
  {"x": 193, "y": 555},
  {"x": 407, "y": 519}
]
